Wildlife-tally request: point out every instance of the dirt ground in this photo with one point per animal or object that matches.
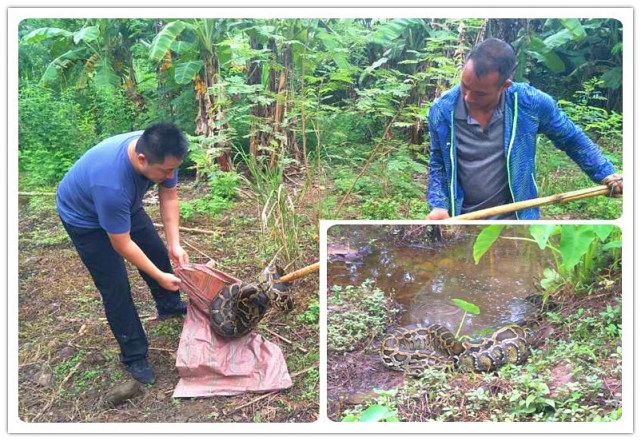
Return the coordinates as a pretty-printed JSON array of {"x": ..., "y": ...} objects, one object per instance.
[{"x": 68, "y": 358}]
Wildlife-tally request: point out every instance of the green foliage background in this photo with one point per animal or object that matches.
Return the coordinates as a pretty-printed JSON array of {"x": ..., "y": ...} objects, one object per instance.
[{"x": 82, "y": 80}]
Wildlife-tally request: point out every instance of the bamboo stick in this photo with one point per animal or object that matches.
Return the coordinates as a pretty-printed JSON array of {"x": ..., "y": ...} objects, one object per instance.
[
  {"x": 35, "y": 193},
  {"x": 300, "y": 273},
  {"x": 556, "y": 198}
]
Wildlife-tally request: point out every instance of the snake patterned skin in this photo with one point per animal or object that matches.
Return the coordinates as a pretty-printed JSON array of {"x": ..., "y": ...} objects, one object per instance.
[
  {"x": 415, "y": 348},
  {"x": 239, "y": 307}
]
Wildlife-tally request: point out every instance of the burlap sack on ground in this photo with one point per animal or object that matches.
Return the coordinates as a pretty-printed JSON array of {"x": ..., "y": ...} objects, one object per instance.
[{"x": 211, "y": 365}]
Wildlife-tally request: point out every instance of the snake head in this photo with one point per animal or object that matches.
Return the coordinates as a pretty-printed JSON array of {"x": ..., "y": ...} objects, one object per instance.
[{"x": 271, "y": 276}]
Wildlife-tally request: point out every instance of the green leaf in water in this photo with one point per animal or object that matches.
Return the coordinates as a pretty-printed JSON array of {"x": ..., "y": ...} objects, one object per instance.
[{"x": 467, "y": 306}]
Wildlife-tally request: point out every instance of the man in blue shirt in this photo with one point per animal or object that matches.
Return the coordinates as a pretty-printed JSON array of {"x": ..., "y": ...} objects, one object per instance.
[
  {"x": 483, "y": 139},
  {"x": 100, "y": 204}
]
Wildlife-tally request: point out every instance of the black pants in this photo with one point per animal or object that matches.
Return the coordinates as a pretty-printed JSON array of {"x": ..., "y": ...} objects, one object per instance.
[{"x": 109, "y": 273}]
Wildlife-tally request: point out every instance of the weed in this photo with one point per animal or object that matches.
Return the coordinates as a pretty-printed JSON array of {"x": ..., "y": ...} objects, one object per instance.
[
  {"x": 83, "y": 380},
  {"x": 309, "y": 384},
  {"x": 356, "y": 315},
  {"x": 311, "y": 314},
  {"x": 167, "y": 328},
  {"x": 210, "y": 205},
  {"x": 383, "y": 411},
  {"x": 386, "y": 208}
]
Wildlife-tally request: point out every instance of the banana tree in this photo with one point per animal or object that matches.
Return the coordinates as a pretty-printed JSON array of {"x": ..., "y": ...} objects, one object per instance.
[
  {"x": 277, "y": 45},
  {"x": 100, "y": 51},
  {"x": 576, "y": 49},
  {"x": 419, "y": 53},
  {"x": 196, "y": 49}
]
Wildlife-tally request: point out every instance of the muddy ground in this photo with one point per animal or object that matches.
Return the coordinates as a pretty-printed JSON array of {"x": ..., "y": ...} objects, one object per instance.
[{"x": 68, "y": 358}]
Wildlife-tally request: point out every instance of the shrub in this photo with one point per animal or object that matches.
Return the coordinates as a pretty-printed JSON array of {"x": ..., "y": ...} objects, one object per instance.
[
  {"x": 356, "y": 315},
  {"x": 54, "y": 131}
]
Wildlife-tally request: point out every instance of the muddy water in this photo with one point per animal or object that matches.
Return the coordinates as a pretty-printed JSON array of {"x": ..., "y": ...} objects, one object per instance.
[{"x": 425, "y": 279}]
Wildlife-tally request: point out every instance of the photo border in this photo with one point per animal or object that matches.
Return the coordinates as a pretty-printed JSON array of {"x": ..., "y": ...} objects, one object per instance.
[{"x": 323, "y": 425}]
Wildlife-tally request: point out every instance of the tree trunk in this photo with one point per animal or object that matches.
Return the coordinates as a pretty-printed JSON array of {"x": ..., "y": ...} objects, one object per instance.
[{"x": 208, "y": 110}]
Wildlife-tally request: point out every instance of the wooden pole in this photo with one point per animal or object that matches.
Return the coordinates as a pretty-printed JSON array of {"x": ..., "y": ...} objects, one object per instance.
[
  {"x": 557, "y": 198},
  {"x": 35, "y": 193},
  {"x": 300, "y": 273}
]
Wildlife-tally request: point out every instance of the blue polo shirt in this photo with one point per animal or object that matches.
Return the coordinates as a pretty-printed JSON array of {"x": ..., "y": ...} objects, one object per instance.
[{"x": 102, "y": 189}]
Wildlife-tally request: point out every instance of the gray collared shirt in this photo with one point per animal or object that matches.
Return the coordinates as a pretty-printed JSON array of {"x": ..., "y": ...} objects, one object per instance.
[{"x": 482, "y": 168}]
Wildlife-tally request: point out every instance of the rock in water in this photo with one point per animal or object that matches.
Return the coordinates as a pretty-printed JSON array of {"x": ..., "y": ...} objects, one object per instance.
[{"x": 123, "y": 392}]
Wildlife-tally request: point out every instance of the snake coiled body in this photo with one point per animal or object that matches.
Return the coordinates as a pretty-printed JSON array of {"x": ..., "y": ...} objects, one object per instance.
[
  {"x": 239, "y": 307},
  {"x": 415, "y": 348}
]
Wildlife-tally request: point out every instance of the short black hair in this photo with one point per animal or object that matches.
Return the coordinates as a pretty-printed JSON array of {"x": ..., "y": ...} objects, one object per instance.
[
  {"x": 493, "y": 55},
  {"x": 162, "y": 139}
]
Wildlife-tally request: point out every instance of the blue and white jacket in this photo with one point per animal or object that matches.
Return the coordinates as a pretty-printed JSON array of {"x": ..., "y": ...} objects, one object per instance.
[{"x": 528, "y": 111}]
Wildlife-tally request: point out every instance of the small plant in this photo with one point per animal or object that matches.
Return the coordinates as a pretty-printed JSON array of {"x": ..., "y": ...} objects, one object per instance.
[
  {"x": 591, "y": 118},
  {"x": 224, "y": 185},
  {"x": 311, "y": 314},
  {"x": 576, "y": 250},
  {"x": 466, "y": 307},
  {"x": 380, "y": 209},
  {"x": 383, "y": 411},
  {"x": 356, "y": 315},
  {"x": 210, "y": 205}
]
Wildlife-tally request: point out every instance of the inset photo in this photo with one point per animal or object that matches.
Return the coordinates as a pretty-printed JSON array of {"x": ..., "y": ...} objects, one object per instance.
[{"x": 474, "y": 323}]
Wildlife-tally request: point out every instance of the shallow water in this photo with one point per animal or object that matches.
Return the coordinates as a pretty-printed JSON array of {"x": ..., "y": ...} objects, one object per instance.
[{"x": 426, "y": 279}]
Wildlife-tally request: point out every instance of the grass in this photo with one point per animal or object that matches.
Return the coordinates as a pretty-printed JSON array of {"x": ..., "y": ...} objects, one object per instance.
[
  {"x": 356, "y": 315},
  {"x": 393, "y": 188},
  {"x": 574, "y": 376},
  {"x": 558, "y": 174}
]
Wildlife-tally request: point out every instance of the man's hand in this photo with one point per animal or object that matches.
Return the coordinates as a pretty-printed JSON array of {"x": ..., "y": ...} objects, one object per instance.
[
  {"x": 169, "y": 281},
  {"x": 615, "y": 182},
  {"x": 438, "y": 214},
  {"x": 178, "y": 255}
]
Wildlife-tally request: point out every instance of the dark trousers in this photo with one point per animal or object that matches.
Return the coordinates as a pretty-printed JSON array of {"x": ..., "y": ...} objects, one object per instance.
[{"x": 107, "y": 268}]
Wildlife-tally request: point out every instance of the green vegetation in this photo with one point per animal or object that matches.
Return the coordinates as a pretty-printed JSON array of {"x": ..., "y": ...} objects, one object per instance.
[
  {"x": 336, "y": 107},
  {"x": 383, "y": 411},
  {"x": 575, "y": 376},
  {"x": 356, "y": 315},
  {"x": 568, "y": 380},
  {"x": 573, "y": 371},
  {"x": 579, "y": 251},
  {"x": 311, "y": 315}
]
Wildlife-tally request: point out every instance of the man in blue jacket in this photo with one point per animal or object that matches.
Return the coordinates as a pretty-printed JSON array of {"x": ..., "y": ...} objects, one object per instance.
[
  {"x": 100, "y": 204},
  {"x": 483, "y": 139}
]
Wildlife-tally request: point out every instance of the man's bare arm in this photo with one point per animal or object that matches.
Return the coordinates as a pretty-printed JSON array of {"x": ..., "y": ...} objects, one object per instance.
[{"x": 128, "y": 249}]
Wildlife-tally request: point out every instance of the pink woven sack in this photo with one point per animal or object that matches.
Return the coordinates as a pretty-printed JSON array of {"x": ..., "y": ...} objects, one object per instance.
[{"x": 211, "y": 365}]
